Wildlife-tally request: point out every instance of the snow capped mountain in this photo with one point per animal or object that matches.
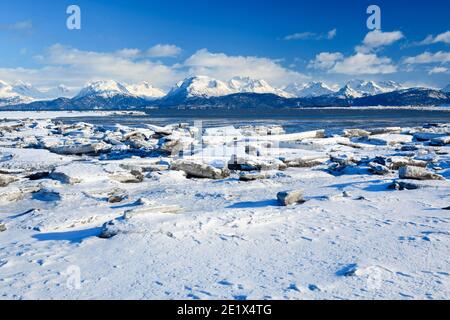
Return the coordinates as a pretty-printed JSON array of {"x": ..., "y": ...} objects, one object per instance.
[
  {"x": 201, "y": 87},
  {"x": 60, "y": 91},
  {"x": 249, "y": 85},
  {"x": 446, "y": 89},
  {"x": 14, "y": 94},
  {"x": 370, "y": 88},
  {"x": 104, "y": 89},
  {"x": 146, "y": 91},
  {"x": 206, "y": 87},
  {"x": 347, "y": 92},
  {"x": 27, "y": 90},
  {"x": 308, "y": 90}
]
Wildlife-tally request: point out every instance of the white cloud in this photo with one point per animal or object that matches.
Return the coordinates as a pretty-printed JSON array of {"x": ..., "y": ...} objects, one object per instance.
[
  {"x": 430, "y": 39},
  {"x": 436, "y": 70},
  {"x": 224, "y": 67},
  {"x": 300, "y": 36},
  {"x": 377, "y": 39},
  {"x": 325, "y": 60},
  {"x": 361, "y": 64},
  {"x": 311, "y": 35},
  {"x": 443, "y": 37},
  {"x": 332, "y": 34},
  {"x": 74, "y": 67},
  {"x": 427, "y": 57},
  {"x": 163, "y": 50}
]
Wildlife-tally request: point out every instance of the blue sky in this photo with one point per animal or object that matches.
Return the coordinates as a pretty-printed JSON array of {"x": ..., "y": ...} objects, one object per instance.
[{"x": 281, "y": 41}]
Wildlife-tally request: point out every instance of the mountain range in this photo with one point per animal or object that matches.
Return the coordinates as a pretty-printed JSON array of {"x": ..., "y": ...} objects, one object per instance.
[{"x": 206, "y": 92}]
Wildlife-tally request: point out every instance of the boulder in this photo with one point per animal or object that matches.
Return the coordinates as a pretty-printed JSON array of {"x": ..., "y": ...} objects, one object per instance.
[
  {"x": 254, "y": 164},
  {"x": 79, "y": 149},
  {"x": 252, "y": 176},
  {"x": 2, "y": 227},
  {"x": 152, "y": 210},
  {"x": 199, "y": 170},
  {"x": 287, "y": 198},
  {"x": 375, "y": 131},
  {"x": 355, "y": 133},
  {"x": 396, "y": 162},
  {"x": 390, "y": 139},
  {"x": 134, "y": 176},
  {"x": 418, "y": 173},
  {"x": 440, "y": 142},
  {"x": 426, "y": 136},
  {"x": 305, "y": 162},
  {"x": 6, "y": 179},
  {"x": 378, "y": 169}
]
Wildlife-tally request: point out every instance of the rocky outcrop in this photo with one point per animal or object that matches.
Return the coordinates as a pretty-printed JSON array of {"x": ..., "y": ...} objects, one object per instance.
[
  {"x": 287, "y": 198},
  {"x": 418, "y": 173},
  {"x": 199, "y": 170}
]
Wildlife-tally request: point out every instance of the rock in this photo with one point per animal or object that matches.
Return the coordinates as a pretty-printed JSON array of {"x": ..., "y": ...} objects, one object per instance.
[
  {"x": 15, "y": 194},
  {"x": 446, "y": 208},
  {"x": 5, "y": 180},
  {"x": 426, "y": 136},
  {"x": 409, "y": 147},
  {"x": 343, "y": 160},
  {"x": 199, "y": 170},
  {"x": 287, "y": 198},
  {"x": 440, "y": 142},
  {"x": 109, "y": 230},
  {"x": 116, "y": 198},
  {"x": 134, "y": 176},
  {"x": 79, "y": 149},
  {"x": 355, "y": 133},
  {"x": 390, "y": 139},
  {"x": 305, "y": 162},
  {"x": 418, "y": 173},
  {"x": 403, "y": 185},
  {"x": 38, "y": 175},
  {"x": 77, "y": 172},
  {"x": 378, "y": 169},
  {"x": 251, "y": 176},
  {"x": 2, "y": 227},
  {"x": 396, "y": 162},
  {"x": 151, "y": 210},
  {"x": 254, "y": 164},
  {"x": 375, "y": 131}
]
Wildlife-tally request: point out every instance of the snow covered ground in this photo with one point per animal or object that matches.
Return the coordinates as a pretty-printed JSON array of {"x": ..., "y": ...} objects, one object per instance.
[{"x": 112, "y": 212}]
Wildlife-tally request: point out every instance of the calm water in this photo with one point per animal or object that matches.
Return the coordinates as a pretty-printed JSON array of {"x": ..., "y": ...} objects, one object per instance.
[{"x": 291, "y": 120}]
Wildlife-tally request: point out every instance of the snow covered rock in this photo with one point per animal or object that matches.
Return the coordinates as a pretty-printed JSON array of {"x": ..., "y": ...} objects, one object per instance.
[
  {"x": 6, "y": 179},
  {"x": 80, "y": 149},
  {"x": 390, "y": 139},
  {"x": 287, "y": 198},
  {"x": 74, "y": 173},
  {"x": 133, "y": 176},
  {"x": 305, "y": 162},
  {"x": 152, "y": 210},
  {"x": 199, "y": 170},
  {"x": 2, "y": 227},
  {"x": 14, "y": 194},
  {"x": 396, "y": 162},
  {"x": 355, "y": 133},
  {"x": 418, "y": 173},
  {"x": 252, "y": 176},
  {"x": 426, "y": 136},
  {"x": 440, "y": 141},
  {"x": 378, "y": 169},
  {"x": 250, "y": 163},
  {"x": 376, "y": 131}
]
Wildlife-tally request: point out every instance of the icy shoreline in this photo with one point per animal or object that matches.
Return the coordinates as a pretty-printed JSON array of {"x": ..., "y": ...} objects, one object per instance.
[{"x": 180, "y": 212}]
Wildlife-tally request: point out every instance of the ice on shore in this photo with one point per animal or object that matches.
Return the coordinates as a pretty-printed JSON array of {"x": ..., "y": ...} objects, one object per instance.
[{"x": 179, "y": 212}]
